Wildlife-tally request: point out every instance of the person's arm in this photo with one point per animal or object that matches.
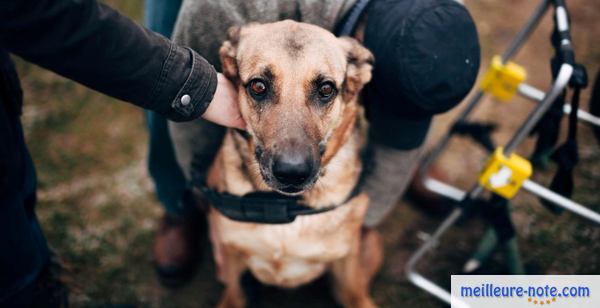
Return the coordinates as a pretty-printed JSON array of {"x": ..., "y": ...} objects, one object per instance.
[{"x": 93, "y": 44}]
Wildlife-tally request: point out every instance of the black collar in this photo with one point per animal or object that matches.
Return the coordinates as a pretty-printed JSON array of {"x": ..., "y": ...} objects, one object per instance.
[{"x": 262, "y": 207}]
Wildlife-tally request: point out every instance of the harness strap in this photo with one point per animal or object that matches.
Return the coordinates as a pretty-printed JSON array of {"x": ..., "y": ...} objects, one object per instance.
[
  {"x": 479, "y": 132},
  {"x": 351, "y": 19},
  {"x": 594, "y": 106},
  {"x": 548, "y": 128},
  {"x": 566, "y": 156},
  {"x": 262, "y": 207},
  {"x": 243, "y": 133}
]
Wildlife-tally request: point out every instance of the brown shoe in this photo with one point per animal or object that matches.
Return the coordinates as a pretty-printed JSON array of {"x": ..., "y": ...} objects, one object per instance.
[{"x": 176, "y": 248}]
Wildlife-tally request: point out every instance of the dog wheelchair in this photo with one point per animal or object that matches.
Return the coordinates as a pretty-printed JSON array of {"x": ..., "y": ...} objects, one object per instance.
[{"x": 506, "y": 173}]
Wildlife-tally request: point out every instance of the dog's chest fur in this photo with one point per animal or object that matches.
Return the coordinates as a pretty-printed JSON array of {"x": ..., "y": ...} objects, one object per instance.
[{"x": 291, "y": 254}]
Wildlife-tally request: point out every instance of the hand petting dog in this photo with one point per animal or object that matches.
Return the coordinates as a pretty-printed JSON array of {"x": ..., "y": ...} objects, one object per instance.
[{"x": 224, "y": 108}]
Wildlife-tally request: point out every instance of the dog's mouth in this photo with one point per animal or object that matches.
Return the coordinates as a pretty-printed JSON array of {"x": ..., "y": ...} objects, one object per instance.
[{"x": 294, "y": 189}]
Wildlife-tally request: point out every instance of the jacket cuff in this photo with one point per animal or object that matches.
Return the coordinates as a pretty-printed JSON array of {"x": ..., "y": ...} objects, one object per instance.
[{"x": 190, "y": 85}]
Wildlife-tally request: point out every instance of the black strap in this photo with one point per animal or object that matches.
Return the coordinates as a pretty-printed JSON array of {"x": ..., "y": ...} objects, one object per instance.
[
  {"x": 263, "y": 207},
  {"x": 566, "y": 156},
  {"x": 548, "y": 128},
  {"x": 349, "y": 23},
  {"x": 595, "y": 104},
  {"x": 243, "y": 133},
  {"x": 548, "y": 131},
  {"x": 479, "y": 132}
]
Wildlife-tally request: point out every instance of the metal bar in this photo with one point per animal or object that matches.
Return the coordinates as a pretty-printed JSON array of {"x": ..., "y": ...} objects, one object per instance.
[
  {"x": 450, "y": 191},
  {"x": 583, "y": 115},
  {"x": 514, "y": 46},
  {"x": 561, "y": 201},
  {"x": 537, "y": 95},
  {"x": 438, "y": 292},
  {"x": 417, "y": 278},
  {"x": 559, "y": 84},
  {"x": 526, "y": 31},
  {"x": 531, "y": 92},
  {"x": 562, "y": 79},
  {"x": 444, "y": 189}
]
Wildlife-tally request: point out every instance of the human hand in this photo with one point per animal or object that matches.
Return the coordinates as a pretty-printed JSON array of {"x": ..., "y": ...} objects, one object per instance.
[{"x": 224, "y": 108}]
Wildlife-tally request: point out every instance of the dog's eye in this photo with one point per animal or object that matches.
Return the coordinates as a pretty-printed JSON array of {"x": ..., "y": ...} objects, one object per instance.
[
  {"x": 326, "y": 90},
  {"x": 257, "y": 88}
]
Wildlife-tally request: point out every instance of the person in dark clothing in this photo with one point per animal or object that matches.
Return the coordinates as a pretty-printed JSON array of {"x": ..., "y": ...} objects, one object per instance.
[
  {"x": 92, "y": 44},
  {"x": 426, "y": 61}
]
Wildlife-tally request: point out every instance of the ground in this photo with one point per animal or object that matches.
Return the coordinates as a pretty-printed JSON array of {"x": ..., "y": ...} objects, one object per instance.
[{"x": 98, "y": 209}]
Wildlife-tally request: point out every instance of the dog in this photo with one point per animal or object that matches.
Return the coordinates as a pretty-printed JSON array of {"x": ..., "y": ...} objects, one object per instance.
[{"x": 299, "y": 89}]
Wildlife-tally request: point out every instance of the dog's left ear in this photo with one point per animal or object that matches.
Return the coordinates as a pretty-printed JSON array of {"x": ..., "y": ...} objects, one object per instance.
[
  {"x": 228, "y": 53},
  {"x": 358, "y": 71}
]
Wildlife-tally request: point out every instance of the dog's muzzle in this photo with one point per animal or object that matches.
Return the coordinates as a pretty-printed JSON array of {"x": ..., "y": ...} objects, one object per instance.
[{"x": 293, "y": 167}]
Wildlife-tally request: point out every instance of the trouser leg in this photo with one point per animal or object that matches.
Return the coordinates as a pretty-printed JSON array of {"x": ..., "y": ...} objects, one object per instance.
[
  {"x": 168, "y": 177},
  {"x": 196, "y": 143},
  {"x": 160, "y": 16},
  {"x": 387, "y": 177},
  {"x": 24, "y": 252}
]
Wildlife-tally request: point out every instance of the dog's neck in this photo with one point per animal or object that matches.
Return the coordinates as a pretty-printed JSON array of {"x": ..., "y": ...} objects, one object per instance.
[{"x": 341, "y": 164}]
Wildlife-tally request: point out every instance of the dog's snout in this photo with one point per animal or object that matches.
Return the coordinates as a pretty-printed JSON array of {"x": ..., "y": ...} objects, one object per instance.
[{"x": 292, "y": 167}]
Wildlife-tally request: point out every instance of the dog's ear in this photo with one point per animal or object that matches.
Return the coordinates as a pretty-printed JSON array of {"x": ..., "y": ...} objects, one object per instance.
[
  {"x": 228, "y": 53},
  {"x": 358, "y": 71}
]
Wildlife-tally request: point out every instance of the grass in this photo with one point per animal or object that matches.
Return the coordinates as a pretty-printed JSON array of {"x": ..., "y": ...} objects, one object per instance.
[{"x": 98, "y": 210}]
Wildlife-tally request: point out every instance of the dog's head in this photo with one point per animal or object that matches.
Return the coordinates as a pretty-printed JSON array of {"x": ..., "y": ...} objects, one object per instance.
[{"x": 295, "y": 83}]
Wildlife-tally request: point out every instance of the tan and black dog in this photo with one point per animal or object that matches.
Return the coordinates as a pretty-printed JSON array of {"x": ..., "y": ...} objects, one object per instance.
[{"x": 298, "y": 91}]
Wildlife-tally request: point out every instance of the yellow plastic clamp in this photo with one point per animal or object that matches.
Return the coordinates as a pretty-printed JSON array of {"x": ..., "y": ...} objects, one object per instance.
[
  {"x": 505, "y": 175},
  {"x": 502, "y": 80}
]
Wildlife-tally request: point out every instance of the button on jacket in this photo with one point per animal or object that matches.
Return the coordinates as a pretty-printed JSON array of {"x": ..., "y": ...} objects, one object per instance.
[{"x": 94, "y": 45}]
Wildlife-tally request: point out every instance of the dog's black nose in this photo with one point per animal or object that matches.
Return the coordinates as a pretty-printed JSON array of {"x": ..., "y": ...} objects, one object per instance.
[{"x": 292, "y": 168}]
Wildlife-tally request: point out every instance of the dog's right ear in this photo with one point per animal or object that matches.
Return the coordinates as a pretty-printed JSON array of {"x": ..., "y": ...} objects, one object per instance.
[
  {"x": 358, "y": 71},
  {"x": 228, "y": 53}
]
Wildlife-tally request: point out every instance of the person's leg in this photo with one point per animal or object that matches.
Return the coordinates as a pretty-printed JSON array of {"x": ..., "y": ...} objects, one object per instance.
[
  {"x": 388, "y": 176},
  {"x": 24, "y": 252},
  {"x": 160, "y": 16},
  {"x": 166, "y": 173},
  {"x": 24, "y": 256},
  {"x": 196, "y": 143},
  {"x": 175, "y": 248}
]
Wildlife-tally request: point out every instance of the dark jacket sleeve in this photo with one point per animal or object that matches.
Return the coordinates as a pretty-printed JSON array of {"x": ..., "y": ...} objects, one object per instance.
[{"x": 93, "y": 44}]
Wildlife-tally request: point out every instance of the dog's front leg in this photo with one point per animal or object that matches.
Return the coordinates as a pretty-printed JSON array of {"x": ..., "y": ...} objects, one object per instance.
[
  {"x": 230, "y": 272},
  {"x": 353, "y": 274}
]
